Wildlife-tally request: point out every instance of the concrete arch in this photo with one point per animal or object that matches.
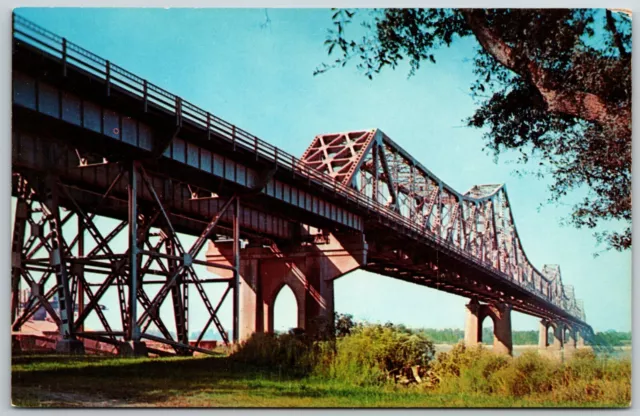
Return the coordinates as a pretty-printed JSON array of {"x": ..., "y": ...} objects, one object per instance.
[
  {"x": 545, "y": 340},
  {"x": 549, "y": 332},
  {"x": 569, "y": 336},
  {"x": 308, "y": 269},
  {"x": 481, "y": 318},
  {"x": 580, "y": 333},
  {"x": 501, "y": 317},
  {"x": 272, "y": 288},
  {"x": 557, "y": 340},
  {"x": 272, "y": 307},
  {"x": 551, "y": 324}
]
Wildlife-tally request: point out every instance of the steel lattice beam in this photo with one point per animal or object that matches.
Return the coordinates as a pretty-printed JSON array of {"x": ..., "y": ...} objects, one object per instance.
[
  {"x": 39, "y": 231},
  {"x": 479, "y": 222}
]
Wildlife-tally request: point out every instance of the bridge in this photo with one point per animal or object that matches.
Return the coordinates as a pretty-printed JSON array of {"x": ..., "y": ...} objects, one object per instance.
[{"x": 90, "y": 140}]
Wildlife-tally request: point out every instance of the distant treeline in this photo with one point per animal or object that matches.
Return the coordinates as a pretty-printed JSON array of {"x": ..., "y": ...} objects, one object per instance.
[
  {"x": 609, "y": 338},
  {"x": 613, "y": 338},
  {"x": 452, "y": 336}
]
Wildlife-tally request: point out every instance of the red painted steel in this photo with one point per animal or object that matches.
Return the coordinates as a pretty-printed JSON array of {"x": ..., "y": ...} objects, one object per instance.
[{"x": 351, "y": 182}]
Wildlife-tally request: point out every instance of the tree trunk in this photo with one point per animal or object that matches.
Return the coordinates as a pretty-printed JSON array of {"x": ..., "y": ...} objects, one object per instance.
[{"x": 583, "y": 105}]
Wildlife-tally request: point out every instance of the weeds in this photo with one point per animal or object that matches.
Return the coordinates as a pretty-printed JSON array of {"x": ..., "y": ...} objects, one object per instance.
[
  {"x": 381, "y": 355},
  {"x": 585, "y": 378},
  {"x": 369, "y": 365}
]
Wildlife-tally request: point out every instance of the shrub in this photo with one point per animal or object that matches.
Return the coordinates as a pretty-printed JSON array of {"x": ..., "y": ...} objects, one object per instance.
[
  {"x": 293, "y": 352},
  {"x": 376, "y": 354},
  {"x": 467, "y": 369},
  {"x": 529, "y": 373},
  {"x": 372, "y": 354},
  {"x": 343, "y": 324},
  {"x": 583, "y": 378},
  {"x": 452, "y": 363},
  {"x": 588, "y": 377}
]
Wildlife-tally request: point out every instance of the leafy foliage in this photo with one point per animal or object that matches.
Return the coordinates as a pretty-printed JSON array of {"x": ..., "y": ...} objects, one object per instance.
[
  {"x": 610, "y": 339},
  {"x": 292, "y": 352},
  {"x": 344, "y": 323},
  {"x": 368, "y": 355},
  {"x": 372, "y": 354},
  {"x": 553, "y": 85},
  {"x": 583, "y": 378},
  {"x": 453, "y": 336}
]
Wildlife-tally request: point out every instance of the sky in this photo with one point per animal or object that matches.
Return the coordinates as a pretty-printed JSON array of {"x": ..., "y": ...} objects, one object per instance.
[{"x": 254, "y": 68}]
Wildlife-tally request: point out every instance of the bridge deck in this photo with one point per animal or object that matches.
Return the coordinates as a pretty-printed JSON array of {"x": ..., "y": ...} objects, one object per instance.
[{"x": 67, "y": 99}]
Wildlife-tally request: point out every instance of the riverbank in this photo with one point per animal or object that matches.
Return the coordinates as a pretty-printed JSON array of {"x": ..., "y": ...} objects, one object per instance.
[
  {"x": 616, "y": 352},
  {"x": 92, "y": 381}
]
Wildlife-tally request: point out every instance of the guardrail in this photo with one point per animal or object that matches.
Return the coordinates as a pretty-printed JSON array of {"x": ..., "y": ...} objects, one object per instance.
[{"x": 70, "y": 53}]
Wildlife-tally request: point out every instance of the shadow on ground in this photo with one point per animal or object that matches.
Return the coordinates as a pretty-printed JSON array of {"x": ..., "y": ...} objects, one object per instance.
[{"x": 134, "y": 381}]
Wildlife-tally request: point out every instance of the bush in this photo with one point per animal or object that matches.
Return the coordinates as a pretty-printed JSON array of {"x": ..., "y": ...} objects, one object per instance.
[
  {"x": 584, "y": 378},
  {"x": 588, "y": 377},
  {"x": 529, "y": 373},
  {"x": 343, "y": 324},
  {"x": 467, "y": 369},
  {"x": 370, "y": 354},
  {"x": 373, "y": 354},
  {"x": 293, "y": 352}
]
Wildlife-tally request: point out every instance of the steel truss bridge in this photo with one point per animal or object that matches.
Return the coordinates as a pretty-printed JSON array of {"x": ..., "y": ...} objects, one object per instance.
[{"x": 92, "y": 140}]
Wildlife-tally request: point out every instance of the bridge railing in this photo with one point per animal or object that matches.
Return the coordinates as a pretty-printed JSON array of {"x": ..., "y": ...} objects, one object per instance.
[{"x": 70, "y": 53}]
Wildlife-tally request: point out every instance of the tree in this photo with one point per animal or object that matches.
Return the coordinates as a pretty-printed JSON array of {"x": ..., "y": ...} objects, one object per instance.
[
  {"x": 553, "y": 85},
  {"x": 344, "y": 323}
]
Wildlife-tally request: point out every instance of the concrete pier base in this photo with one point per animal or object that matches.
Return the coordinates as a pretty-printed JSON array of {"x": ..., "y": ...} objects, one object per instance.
[
  {"x": 16, "y": 348},
  {"x": 309, "y": 270},
  {"x": 501, "y": 316},
  {"x": 69, "y": 346},
  {"x": 133, "y": 349}
]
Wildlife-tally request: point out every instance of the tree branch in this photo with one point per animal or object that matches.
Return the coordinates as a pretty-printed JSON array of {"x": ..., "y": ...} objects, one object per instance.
[
  {"x": 579, "y": 104},
  {"x": 611, "y": 25}
]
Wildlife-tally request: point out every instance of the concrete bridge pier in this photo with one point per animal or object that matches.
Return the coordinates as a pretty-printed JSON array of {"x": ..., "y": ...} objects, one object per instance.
[
  {"x": 501, "y": 316},
  {"x": 308, "y": 269},
  {"x": 556, "y": 341},
  {"x": 543, "y": 339},
  {"x": 569, "y": 338},
  {"x": 558, "y": 338}
]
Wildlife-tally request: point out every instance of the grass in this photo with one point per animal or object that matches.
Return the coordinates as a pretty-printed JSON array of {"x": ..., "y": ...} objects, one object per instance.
[{"x": 91, "y": 381}]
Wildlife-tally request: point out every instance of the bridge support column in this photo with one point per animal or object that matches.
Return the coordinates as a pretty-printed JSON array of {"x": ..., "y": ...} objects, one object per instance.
[
  {"x": 569, "y": 338},
  {"x": 68, "y": 343},
  {"x": 579, "y": 340},
  {"x": 557, "y": 337},
  {"x": 501, "y": 316},
  {"x": 309, "y": 270},
  {"x": 133, "y": 345},
  {"x": 543, "y": 339},
  {"x": 472, "y": 327}
]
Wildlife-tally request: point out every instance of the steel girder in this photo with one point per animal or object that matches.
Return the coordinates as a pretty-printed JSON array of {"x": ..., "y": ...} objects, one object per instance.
[
  {"x": 479, "y": 222},
  {"x": 47, "y": 243}
]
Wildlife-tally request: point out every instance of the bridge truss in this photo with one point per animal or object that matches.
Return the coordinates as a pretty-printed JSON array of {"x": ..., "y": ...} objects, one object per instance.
[
  {"x": 345, "y": 176},
  {"x": 479, "y": 222},
  {"x": 51, "y": 256}
]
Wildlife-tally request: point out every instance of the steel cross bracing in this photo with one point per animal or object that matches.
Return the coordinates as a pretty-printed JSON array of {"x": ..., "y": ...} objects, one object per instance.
[
  {"x": 364, "y": 171},
  {"x": 479, "y": 223},
  {"x": 47, "y": 243}
]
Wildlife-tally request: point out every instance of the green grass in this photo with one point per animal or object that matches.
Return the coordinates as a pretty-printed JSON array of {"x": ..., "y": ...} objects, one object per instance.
[{"x": 58, "y": 381}]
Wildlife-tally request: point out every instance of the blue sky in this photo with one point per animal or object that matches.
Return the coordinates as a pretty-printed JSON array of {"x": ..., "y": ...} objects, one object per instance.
[{"x": 261, "y": 79}]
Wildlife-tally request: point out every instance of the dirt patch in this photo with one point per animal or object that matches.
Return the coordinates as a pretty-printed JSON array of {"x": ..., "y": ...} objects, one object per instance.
[{"x": 34, "y": 397}]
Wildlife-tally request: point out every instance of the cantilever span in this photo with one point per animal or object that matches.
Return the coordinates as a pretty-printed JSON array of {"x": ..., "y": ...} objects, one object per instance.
[
  {"x": 479, "y": 223},
  {"x": 90, "y": 139}
]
